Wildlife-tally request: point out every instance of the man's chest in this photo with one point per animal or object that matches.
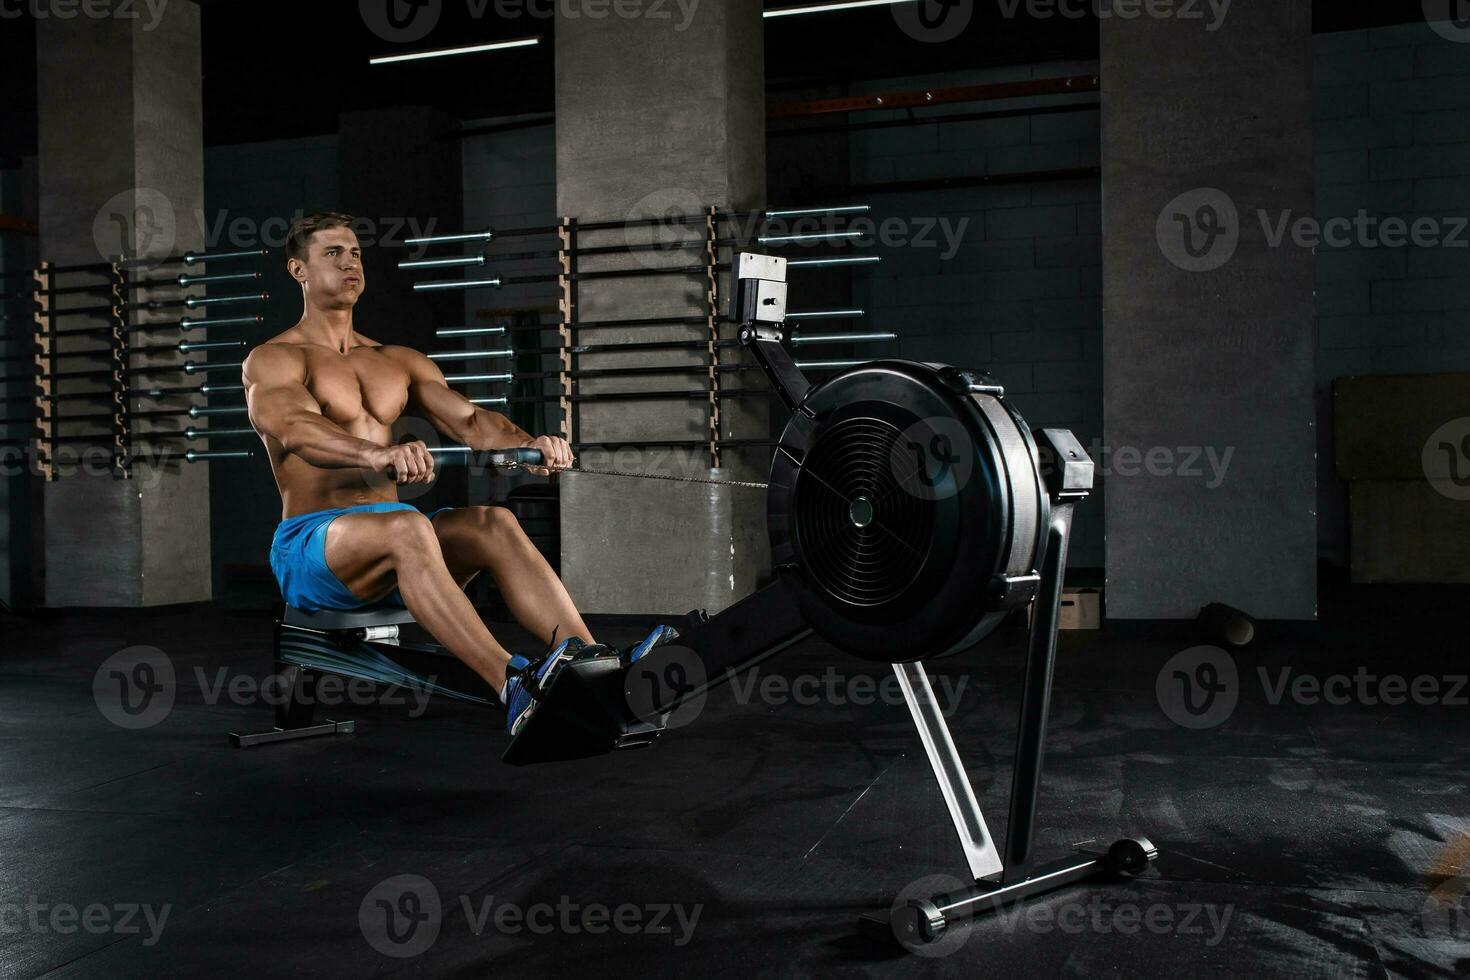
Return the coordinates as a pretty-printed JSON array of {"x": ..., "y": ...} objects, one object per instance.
[{"x": 363, "y": 382}]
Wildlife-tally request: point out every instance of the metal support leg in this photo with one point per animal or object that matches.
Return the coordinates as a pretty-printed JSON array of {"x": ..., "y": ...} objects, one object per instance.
[
  {"x": 954, "y": 784},
  {"x": 923, "y": 921},
  {"x": 296, "y": 711},
  {"x": 1041, "y": 655}
]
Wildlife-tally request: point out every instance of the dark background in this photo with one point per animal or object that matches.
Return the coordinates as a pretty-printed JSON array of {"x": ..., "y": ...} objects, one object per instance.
[{"x": 260, "y": 83}]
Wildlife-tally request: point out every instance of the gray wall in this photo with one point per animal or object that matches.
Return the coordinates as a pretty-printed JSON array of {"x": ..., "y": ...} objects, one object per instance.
[{"x": 1393, "y": 138}]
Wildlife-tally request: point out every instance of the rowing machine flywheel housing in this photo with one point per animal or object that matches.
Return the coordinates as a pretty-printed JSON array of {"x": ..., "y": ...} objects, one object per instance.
[{"x": 907, "y": 509}]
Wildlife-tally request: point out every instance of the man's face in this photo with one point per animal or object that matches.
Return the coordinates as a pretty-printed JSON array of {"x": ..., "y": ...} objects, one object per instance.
[{"x": 332, "y": 272}]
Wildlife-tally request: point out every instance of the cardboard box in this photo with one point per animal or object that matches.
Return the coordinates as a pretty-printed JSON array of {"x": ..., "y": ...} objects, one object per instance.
[
  {"x": 1409, "y": 531},
  {"x": 1081, "y": 610}
]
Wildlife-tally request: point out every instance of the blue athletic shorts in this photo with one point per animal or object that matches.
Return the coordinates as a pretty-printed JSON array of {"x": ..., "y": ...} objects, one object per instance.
[{"x": 299, "y": 559}]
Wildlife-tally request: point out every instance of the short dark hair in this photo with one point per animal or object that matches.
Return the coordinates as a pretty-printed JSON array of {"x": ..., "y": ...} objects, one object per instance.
[{"x": 298, "y": 239}]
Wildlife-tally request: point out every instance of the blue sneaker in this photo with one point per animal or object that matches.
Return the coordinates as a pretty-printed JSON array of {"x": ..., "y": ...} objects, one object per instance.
[
  {"x": 639, "y": 650},
  {"x": 523, "y": 690}
]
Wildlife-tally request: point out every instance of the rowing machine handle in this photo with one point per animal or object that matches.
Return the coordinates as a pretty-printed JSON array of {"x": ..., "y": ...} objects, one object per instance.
[{"x": 514, "y": 459}]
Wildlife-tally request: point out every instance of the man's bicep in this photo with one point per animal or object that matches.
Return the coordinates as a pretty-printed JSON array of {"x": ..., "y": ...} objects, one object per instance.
[
  {"x": 446, "y": 408},
  {"x": 275, "y": 387},
  {"x": 271, "y": 406}
]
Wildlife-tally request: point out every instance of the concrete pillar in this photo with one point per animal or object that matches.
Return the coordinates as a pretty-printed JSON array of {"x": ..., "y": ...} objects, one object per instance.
[
  {"x": 1207, "y": 331},
  {"x": 121, "y": 168},
  {"x": 657, "y": 117}
]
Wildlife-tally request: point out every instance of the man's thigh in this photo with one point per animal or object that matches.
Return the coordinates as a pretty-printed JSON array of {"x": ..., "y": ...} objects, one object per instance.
[{"x": 361, "y": 549}]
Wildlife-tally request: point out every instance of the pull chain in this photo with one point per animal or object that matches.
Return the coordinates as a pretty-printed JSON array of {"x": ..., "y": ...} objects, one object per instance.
[{"x": 676, "y": 479}]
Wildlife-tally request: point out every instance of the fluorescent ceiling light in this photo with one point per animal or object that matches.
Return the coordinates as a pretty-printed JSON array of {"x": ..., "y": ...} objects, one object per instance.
[
  {"x": 824, "y": 8},
  {"x": 446, "y": 52}
]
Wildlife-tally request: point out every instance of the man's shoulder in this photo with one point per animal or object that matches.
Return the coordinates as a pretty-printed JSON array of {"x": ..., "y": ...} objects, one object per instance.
[
  {"x": 276, "y": 358},
  {"x": 403, "y": 355}
]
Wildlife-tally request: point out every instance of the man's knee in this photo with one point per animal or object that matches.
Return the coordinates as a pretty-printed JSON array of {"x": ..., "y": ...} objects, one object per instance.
[
  {"x": 408, "y": 531},
  {"x": 495, "y": 521}
]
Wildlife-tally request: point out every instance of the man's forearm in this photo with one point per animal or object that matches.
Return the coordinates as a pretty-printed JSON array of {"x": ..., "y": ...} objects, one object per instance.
[
  {"x": 323, "y": 443},
  {"x": 491, "y": 430}
]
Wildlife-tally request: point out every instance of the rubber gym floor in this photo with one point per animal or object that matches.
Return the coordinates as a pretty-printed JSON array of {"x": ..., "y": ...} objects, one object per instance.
[{"x": 1297, "y": 837}]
